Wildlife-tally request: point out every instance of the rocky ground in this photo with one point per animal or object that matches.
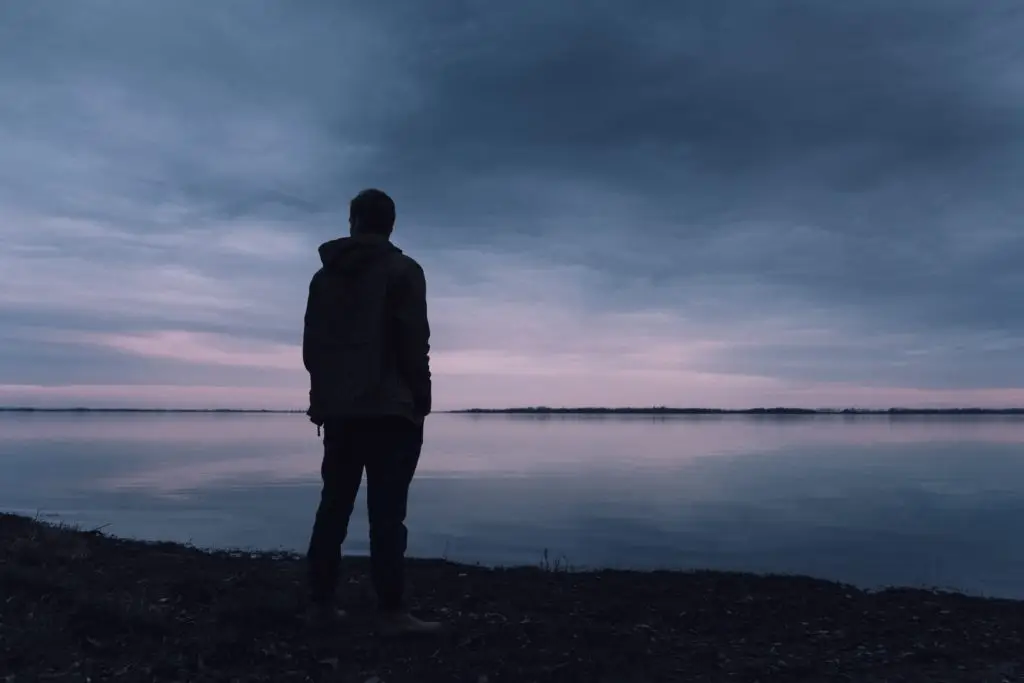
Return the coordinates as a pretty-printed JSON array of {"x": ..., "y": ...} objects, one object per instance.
[{"x": 80, "y": 606}]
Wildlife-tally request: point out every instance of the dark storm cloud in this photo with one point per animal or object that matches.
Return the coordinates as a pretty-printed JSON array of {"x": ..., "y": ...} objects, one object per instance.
[
  {"x": 859, "y": 162},
  {"x": 715, "y": 87},
  {"x": 848, "y": 167},
  {"x": 843, "y": 152}
]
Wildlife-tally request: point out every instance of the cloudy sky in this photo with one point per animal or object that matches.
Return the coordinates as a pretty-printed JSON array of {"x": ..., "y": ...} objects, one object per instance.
[{"x": 682, "y": 202}]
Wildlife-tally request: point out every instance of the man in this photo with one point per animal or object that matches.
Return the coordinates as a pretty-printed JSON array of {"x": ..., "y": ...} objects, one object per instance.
[{"x": 366, "y": 347}]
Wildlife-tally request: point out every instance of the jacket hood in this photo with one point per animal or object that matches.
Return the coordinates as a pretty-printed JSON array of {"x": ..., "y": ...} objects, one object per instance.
[{"x": 353, "y": 254}]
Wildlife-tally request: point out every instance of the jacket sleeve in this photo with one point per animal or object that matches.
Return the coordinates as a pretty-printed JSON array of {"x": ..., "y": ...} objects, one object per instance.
[
  {"x": 309, "y": 332},
  {"x": 413, "y": 336}
]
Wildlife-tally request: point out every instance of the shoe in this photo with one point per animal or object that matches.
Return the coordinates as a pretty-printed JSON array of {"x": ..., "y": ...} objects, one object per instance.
[
  {"x": 398, "y": 624},
  {"x": 325, "y": 616}
]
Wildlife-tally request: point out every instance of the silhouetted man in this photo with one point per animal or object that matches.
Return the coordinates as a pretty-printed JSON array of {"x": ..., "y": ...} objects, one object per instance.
[{"x": 366, "y": 344}]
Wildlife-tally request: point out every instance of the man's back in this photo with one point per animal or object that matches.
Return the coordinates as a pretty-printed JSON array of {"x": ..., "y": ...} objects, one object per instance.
[{"x": 366, "y": 339}]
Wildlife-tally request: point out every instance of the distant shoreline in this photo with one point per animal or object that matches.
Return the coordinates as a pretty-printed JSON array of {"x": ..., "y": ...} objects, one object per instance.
[
  {"x": 743, "y": 411},
  {"x": 542, "y": 410}
]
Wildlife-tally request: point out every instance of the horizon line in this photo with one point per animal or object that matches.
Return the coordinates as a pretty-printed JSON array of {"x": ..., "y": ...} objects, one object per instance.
[{"x": 553, "y": 410}]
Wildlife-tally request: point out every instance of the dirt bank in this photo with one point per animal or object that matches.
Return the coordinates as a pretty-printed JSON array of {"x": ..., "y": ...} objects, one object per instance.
[{"x": 77, "y": 606}]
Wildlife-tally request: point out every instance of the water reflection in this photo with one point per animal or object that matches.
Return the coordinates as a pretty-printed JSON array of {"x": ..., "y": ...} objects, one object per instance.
[{"x": 871, "y": 500}]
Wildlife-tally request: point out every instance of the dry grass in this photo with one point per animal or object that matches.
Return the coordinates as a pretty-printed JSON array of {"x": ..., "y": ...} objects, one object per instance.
[{"x": 80, "y": 606}]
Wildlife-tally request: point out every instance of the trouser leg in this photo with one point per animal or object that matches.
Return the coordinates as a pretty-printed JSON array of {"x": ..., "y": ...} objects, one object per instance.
[
  {"x": 389, "y": 472},
  {"x": 342, "y": 472}
]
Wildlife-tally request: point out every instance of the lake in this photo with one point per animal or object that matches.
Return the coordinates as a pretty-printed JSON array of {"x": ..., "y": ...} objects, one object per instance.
[{"x": 933, "y": 501}]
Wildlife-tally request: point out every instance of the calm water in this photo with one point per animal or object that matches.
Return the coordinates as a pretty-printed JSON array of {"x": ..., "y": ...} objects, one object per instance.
[{"x": 913, "y": 501}]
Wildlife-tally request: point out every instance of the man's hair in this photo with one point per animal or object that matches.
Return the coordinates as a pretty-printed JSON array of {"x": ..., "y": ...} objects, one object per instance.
[{"x": 374, "y": 210}]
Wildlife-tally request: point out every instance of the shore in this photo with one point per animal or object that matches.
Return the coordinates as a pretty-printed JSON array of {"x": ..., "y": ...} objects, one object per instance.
[
  {"x": 755, "y": 412},
  {"x": 78, "y": 606}
]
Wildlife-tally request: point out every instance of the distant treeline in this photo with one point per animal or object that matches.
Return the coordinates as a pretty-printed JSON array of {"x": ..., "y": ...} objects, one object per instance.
[{"x": 661, "y": 410}]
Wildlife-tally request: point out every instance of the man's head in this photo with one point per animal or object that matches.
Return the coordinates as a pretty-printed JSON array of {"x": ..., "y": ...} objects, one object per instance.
[{"x": 371, "y": 212}]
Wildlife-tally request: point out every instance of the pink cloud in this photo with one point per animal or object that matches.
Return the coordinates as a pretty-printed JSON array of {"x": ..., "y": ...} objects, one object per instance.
[
  {"x": 202, "y": 348},
  {"x": 520, "y": 335},
  {"x": 156, "y": 396}
]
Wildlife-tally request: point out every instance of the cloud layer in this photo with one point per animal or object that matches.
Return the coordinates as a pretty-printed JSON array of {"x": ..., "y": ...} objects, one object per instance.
[{"x": 696, "y": 203}]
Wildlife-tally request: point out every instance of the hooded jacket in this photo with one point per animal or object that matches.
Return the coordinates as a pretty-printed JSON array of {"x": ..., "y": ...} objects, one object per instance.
[{"x": 366, "y": 339}]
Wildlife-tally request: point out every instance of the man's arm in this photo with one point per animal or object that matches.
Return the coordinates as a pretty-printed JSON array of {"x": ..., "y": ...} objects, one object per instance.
[
  {"x": 309, "y": 331},
  {"x": 413, "y": 336}
]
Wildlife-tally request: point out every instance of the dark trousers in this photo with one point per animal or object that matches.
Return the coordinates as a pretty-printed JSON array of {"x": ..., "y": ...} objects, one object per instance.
[{"x": 388, "y": 448}]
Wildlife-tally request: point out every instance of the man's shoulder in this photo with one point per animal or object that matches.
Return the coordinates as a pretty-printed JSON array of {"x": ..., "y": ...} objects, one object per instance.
[
  {"x": 317, "y": 276},
  {"x": 406, "y": 264}
]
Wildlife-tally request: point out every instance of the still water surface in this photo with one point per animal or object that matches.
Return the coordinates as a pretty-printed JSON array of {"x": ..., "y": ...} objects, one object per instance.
[{"x": 934, "y": 501}]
